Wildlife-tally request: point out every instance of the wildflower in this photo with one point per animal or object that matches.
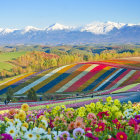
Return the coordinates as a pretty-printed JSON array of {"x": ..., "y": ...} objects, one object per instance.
[
  {"x": 109, "y": 99},
  {"x": 88, "y": 130},
  {"x": 25, "y": 107},
  {"x": 90, "y": 135},
  {"x": 101, "y": 127},
  {"x": 100, "y": 114},
  {"x": 25, "y": 124},
  {"x": 5, "y": 136},
  {"x": 78, "y": 132},
  {"x": 137, "y": 119},
  {"x": 132, "y": 122},
  {"x": 64, "y": 135},
  {"x": 71, "y": 126},
  {"x": 11, "y": 130},
  {"x": 22, "y": 115},
  {"x": 29, "y": 135},
  {"x": 121, "y": 136},
  {"x": 91, "y": 116}
]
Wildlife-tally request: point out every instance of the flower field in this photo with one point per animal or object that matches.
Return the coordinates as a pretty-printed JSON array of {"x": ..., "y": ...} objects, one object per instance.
[
  {"x": 94, "y": 119},
  {"x": 83, "y": 77}
]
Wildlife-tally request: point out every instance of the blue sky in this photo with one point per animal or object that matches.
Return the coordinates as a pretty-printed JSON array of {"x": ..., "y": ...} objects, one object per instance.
[{"x": 42, "y": 13}]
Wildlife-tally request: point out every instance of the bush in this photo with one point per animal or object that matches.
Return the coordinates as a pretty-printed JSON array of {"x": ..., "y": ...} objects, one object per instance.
[{"x": 32, "y": 95}]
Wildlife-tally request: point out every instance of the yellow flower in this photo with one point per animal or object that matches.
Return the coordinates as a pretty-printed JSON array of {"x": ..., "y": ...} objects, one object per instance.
[
  {"x": 116, "y": 102},
  {"x": 22, "y": 115},
  {"x": 118, "y": 114},
  {"x": 109, "y": 99},
  {"x": 16, "y": 116},
  {"x": 47, "y": 106},
  {"x": 25, "y": 107},
  {"x": 114, "y": 108},
  {"x": 25, "y": 124}
]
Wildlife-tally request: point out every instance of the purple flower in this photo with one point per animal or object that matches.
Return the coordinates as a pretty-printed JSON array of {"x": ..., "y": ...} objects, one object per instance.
[
  {"x": 65, "y": 135},
  {"x": 137, "y": 119},
  {"x": 6, "y": 136},
  {"x": 78, "y": 132}
]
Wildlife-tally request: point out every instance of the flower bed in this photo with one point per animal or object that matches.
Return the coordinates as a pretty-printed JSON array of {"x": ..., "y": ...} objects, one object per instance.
[{"x": 97, "y": 121}]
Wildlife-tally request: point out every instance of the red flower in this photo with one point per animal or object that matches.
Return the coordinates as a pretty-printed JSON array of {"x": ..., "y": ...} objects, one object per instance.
[
  {"x": 90, "y": 135},
  {"x": 101, "y": 127},
  {"x": 88, "y": 129},
  {"x": 132, "y": 122},
  {"x": 121, "y": 136},
  {"x": 118, "y": 125},
  {"x": 112, "y": 139},
  {"x": 100, "y": 114}
]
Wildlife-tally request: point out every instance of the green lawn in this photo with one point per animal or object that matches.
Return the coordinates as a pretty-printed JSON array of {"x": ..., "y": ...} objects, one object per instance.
[{"x": 4, "y": 57}]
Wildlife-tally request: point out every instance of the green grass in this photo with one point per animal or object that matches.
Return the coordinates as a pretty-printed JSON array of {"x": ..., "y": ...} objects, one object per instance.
[{"x": 5, "y": 57}]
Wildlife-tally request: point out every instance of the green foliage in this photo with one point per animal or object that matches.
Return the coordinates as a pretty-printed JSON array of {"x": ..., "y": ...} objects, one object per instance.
[
  {"x": 9, "y": 94},
  {"x": 32, "y": 95}
]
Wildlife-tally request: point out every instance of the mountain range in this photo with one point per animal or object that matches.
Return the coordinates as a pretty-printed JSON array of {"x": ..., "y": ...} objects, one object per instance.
[{"x": 97, "y": 32}]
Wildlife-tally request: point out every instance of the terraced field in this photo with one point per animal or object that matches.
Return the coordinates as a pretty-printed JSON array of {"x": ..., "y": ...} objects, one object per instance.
[{"x": 81, "y": 77}]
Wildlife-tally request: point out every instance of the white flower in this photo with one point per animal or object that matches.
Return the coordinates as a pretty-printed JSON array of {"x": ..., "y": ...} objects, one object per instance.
[
  {"x": 29, "y": 135},
  {"x": 11, "y": 130},
  {"x": 45, "y": 122},
  {"x": 56, "y": 135},
  {"x": 126, "y": 113},
  {"x": 10, "y": 123},
  {"x": 24, "y": 128}
]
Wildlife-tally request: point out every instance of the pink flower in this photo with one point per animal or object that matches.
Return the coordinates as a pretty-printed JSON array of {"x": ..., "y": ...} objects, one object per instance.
[
  {"x": 5, "y": 136},
  {"x": 91, "y": 116},
  {"x": 121, "y": 136},
  {"x": 90, "y": 135},
  {"x": 132, "y": 122},
  {"x": 101, "y": 114},
  {"x": 101, "y": 127}
]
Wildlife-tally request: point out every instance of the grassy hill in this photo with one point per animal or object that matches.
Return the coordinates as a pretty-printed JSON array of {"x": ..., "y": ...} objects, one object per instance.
[{"x": 5, "y": 57}]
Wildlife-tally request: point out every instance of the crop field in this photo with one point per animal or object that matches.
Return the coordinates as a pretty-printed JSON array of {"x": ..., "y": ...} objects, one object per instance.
[
  {"x": 5, "y": 57},
  {"x": 80, "y": 77}
]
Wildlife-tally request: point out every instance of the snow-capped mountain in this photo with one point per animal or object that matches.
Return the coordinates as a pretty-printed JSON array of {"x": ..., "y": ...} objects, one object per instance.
[
  {"x": 102, "y": 28},
  {"x": 96, "y": 32},
  {"x": 58, "y": 26}
]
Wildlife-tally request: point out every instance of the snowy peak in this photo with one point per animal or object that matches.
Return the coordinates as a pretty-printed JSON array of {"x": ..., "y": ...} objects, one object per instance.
[
  {"x": 58, "y": 26},
  {"x": 102, "y": 28},
  {"x": 30, "y": 28}
]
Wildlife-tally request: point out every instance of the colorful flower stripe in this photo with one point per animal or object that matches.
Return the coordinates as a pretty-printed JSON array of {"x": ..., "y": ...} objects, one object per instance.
[
  {"x": 15, "y": 80},
  {"x": 70, "y": 77},
  {"x": 123, "y": 79},
  {"x": 110, "y": 79},
  {"x": 117, "y": 79},
  {"x": 137, "y": 87},
  {"x": 52, "y": 77},
  {"x": 126, "y": 88},
  {"x": 87, "y": 77},
  {"x": 134, "y": 78},
  {"x": 23, "y": 90},
  {"x": 75, "y": 79},
  {"x": 102, "y": 77},
  {"x": 14, "y": 85},
  {"x": 96, "y": 76},
  {"x": 82, "y": 80},
  {"x": 64, "y": 74},
  {"x": 70, "y": 86}
]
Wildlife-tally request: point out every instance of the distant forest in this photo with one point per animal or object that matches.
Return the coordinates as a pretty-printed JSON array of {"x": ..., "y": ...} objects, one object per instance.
[{"x": 39, "y": 57}]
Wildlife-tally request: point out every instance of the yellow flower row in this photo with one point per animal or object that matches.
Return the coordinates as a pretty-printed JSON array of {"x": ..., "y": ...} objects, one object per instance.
[{"x": 15, "y": 80}]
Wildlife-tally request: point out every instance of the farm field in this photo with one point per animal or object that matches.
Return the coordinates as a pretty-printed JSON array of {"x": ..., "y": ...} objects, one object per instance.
[
  {"x": 80, "y": 77},
  {"x": 5, "y": 57}
]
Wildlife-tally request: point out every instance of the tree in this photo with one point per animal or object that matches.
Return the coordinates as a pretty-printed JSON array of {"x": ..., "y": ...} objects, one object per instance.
[
  {"x": 9, "y": 94},
  {"x": 32, "y": 95}
]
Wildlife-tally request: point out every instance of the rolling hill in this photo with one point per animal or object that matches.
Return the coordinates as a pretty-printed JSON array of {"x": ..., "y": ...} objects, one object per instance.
[{"x": 80, "y": 77}]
